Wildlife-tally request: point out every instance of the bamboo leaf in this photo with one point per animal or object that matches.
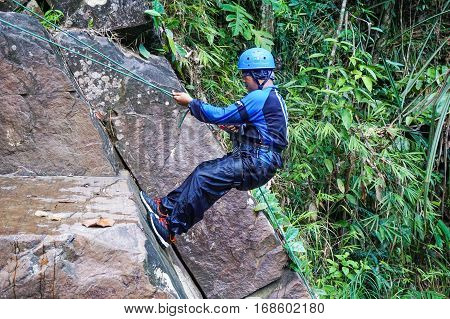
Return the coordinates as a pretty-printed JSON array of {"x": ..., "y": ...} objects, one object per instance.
[
  {"x": 367, "y": 82},
  {"x": 260, "y": 207},
  {"x": 297, "y": 247},
  {"x": 445, "y": 230},
  {"x": 351, "y": 199},
  {"x": 291, "y": 233},
  {"x": 316, "y": 55},
  {"x": 143, "y": 51},
  {"x": 169, "y": 35},
  {"x": 409, "y": 120},
  {"x": 329, "y": 165},
  {"x": 345, "y": 270},
  {"x": 445, "y": 99},
  {"x": 347, "y": 118},
  {"x": 345, "y": 89},
  {"x": 152, "y": 13},
  {"x": 180, "y": 50},
  {"x": 340, "y": 185}
]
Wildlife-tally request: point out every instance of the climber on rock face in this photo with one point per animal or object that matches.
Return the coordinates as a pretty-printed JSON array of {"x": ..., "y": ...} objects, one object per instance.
[{"x": 258, "y": 127}]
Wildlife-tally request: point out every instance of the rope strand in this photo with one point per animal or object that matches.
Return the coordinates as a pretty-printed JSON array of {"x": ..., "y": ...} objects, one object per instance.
[
  {"x": 39, "y": 37},
  {"x": 90, "y": 47}
]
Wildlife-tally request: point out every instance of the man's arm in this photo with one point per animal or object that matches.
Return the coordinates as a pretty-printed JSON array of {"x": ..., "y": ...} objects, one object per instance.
[
  {"x": 234, "y": 114},
  {"x": 208, "y": 113}
]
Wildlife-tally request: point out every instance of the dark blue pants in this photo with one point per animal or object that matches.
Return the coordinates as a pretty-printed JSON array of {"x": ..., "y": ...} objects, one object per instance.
[{"x": 243, "y": 169}]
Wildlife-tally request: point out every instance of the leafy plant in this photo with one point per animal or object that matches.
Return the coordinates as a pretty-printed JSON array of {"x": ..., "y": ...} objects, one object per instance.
[
  {"x": 363, "y": 199},
  {"x": 54, "y": 16},
  {"x": 174, "y": 49},
  {"x": 240, "y": 22}
]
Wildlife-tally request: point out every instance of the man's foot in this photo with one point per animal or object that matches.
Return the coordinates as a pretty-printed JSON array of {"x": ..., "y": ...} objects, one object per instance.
[
  {"x": 152, "y": 205},
  {"x": 161, "y": 230}
]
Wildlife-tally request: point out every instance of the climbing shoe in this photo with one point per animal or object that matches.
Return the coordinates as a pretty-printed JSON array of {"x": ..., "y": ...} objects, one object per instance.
[
  {"x": 161, "y": 230},
  {"x": 152, "y": 205}
]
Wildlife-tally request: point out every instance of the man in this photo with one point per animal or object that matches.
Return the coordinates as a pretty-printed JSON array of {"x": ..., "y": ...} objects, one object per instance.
[{"x": 261, "y": 116}]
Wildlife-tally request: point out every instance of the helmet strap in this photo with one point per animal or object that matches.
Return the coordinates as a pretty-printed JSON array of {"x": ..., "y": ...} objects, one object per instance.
[{"x": 260, "y": 85}]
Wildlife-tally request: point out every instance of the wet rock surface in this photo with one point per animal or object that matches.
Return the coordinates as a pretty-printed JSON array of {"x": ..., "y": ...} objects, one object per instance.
[
  {"x": 46, "y": 127},
  {"x": 102, "y": 14},
  {"x": 57, "y": 257}
]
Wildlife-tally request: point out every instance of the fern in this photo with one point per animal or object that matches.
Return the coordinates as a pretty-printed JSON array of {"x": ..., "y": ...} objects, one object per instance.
[
  {"x": 263, "y": 39},
  {"x": 239, "y": 20}
]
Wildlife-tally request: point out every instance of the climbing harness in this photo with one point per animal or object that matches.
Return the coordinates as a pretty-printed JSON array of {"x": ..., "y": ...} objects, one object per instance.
[{"x": 128, "y": 73}]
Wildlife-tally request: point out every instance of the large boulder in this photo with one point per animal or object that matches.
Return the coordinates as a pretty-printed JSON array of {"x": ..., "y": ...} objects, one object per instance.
[
  {"x": 233, "y": 252},
  {"x": 46, "y": 252},
  {"x": 48, "y": 129},
  {"x": 102, "y": 14},
  {"x": 7, "y": 5},
  {"x": 45, "y": 125},
  {"x": 289, "y": 286}
]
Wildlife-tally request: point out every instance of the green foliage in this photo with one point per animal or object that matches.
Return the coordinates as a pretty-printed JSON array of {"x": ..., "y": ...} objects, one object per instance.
[
  {"x": 91, "y": 23},
  {"x": 239, "y": 20},
  {"x": 54, "y": 16},
  {"x": 363, "y": 199},
  {"x": 175, "y": 51}
]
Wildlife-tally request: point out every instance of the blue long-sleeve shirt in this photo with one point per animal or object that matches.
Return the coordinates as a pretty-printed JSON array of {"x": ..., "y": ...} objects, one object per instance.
[{"x": 265, "y": 110}]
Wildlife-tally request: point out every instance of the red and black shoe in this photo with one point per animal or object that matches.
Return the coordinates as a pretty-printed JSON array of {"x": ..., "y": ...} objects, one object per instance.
[
  {"x": 152, "y": 205},
  {"x": 161, "y": 229}
]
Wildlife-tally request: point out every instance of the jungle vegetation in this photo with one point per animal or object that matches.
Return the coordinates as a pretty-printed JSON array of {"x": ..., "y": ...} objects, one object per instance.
[{"x": 364, "y": 195}]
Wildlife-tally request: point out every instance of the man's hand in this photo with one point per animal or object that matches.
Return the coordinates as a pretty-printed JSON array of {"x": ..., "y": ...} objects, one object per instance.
[
  {"x": 182, "y": 98},
  {"x": 229, "y": 128}
]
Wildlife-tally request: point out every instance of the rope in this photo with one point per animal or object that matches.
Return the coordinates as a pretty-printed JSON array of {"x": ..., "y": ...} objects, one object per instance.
[
  {"x": 288, "y": 248},
  {"x": 39, "y": 37},
  {"x": 92, "y": 48},
  {"x": 139, "y": 78}
]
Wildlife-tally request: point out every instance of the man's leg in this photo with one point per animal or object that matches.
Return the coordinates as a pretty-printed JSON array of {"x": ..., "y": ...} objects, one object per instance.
[
  {"x": 165, "y": 205},
  {"x": 203, "y": 187}
]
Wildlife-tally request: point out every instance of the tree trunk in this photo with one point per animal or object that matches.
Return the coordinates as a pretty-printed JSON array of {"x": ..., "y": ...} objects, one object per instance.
[
  {"x": 267, "y": 17},
  {"x": 338, "y": 31},
  {"x": 385, "y": 24}
]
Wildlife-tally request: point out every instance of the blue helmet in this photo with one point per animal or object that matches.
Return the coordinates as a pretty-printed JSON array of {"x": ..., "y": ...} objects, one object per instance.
[{"x": 255, "y": 59}]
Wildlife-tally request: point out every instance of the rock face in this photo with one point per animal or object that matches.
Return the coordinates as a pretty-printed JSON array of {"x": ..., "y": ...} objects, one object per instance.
[
  {"x": 6, "y": 5},
  {"x": 102, "y": 14},
  {"x": 54, "y": 256},
  {"x": 233, "y": 251},
  {"x": 289, "y": 286},
  {"x": 46, "y": 127},
  {"x": 142, "y": 121}
]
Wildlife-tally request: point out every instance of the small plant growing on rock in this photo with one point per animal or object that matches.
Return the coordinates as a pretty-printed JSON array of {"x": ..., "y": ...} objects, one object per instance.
[{"x": 54, "y": 16}]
